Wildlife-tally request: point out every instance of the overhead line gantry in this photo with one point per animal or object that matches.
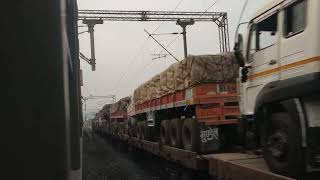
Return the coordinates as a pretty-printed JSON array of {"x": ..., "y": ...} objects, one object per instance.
[{"x": 93, "y": 17}]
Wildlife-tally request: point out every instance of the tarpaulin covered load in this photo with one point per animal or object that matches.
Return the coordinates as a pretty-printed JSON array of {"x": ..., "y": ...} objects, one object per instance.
[
  {"x": 163, "y": 83},
  {"x": 154, "y": 87},
  {"x": 105, "y": 112},
  {"x": 212, "y": 68},
  {"x": 157, "y": 90},
  {"x": 170, "y": 78},
  {"x": 136, "y": 95},
  {"x": 181, "y": 75},
  {"x": 189, "y": 72},
  {"x": 120, "y": 106}
]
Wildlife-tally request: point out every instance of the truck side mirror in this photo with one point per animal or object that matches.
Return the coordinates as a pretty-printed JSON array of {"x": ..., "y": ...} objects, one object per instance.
[
  {"x": 244, "y": 73},
  {"x": 238, "y": 50}
]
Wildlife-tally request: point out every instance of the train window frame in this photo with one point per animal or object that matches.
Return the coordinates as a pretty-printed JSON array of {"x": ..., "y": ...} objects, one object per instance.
[{"x": 286, "y": 34}]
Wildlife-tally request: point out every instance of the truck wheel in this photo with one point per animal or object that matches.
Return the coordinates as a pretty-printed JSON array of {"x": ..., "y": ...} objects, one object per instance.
[
  {"x": 191, "y": 135},
  {"x": 146, "y": 131},
  {"x": 143, "y": 129},
  {"x": 175, "y": 128},
  {"x": 140, "y": 130},
  {"x": 164, "y": 132},
  {"x": 134, "y": 130},
  {"x": 281, "y": 141}
]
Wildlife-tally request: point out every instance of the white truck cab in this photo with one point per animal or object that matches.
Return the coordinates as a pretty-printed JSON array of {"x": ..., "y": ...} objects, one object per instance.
[{"x": 280, "y": 83}]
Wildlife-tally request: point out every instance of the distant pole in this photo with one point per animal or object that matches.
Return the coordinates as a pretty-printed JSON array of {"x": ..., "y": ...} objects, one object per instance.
[{"x": 184, "y": 23}]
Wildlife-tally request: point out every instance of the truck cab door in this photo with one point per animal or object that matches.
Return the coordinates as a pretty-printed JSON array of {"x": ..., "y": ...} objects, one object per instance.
[{"x": 261, "y": 59}]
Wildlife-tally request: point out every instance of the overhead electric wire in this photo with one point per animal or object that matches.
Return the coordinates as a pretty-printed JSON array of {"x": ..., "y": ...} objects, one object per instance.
[
  {"x": 130, "y": 64},
  {"x": 214, "y": 3},
  {"x": 162, "y": 46},
  {"x": 175, "y": 8},
  {"x": 141, "y": 48},
  {"x": 177, "y": 37},
  {"x": 160, "y": 34},
  {"x": 206, "y": 10},
  {"x": 159, "y": 57}
]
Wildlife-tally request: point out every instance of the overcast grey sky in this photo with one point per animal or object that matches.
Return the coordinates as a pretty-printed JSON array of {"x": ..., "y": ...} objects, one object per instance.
[{"x": 123, "y": 50}]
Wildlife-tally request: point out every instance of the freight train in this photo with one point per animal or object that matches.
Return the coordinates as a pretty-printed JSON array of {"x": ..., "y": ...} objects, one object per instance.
[
  {"x": 186, "y": 106},
  {"x": 201, "y": 105}
]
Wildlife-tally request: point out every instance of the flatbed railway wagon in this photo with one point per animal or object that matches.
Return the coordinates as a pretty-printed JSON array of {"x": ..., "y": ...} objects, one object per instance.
[
  {"x": 192, "y": 105},
  {"x": 278, "y": 90},
  {"x": 154, "y": 124}
]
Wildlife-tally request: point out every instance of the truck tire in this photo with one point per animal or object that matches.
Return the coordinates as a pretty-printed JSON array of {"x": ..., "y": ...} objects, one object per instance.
[
  {"x": 191, "y": 135},
  {"x": 164, "y": 132},
  {"x": 281, "y": 142},
  {"x": 175, "y": 128},
  {"x": 146, "y": 131},
  {"x": 134, "y": 130},
  {"x": 140, "y": 127}
]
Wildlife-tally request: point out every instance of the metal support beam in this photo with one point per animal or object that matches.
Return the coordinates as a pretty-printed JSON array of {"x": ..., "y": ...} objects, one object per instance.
[
  {"x": 219, "y": 18},
  {"x": 185, "y": 46},
  {"x": 184, "y": 24},
  {"x": 93, "y": 55},
  {"x": 91, "y": 23},
  {"x": 93, "y": 17},
  {"x": 223, "y": 28},
  {"x": 114, "y": 15}
]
